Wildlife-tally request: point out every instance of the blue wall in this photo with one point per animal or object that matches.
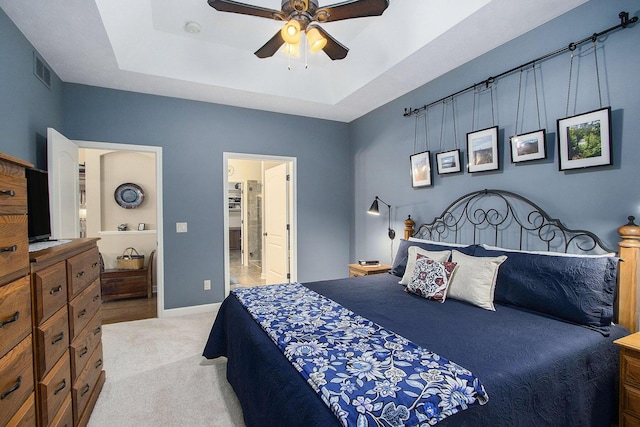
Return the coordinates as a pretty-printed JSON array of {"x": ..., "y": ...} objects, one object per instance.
[
  {"x": 597, "y": 199},
  {"x": 193, "y": 136},
  {"x": 27, "y": 106}
]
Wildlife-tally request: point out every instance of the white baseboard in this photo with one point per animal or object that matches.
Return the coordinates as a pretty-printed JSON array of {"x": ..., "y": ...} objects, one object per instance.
[{"x": 195, "y": 309}]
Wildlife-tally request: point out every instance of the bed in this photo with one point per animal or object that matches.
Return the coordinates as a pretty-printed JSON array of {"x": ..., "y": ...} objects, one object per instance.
[{"x": 544, "y": 355}]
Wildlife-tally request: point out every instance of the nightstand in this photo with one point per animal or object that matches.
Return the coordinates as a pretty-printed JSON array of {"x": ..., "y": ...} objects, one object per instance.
[
  {"x": 629, "y": 380},
  {"x": 357, "y": 270}
]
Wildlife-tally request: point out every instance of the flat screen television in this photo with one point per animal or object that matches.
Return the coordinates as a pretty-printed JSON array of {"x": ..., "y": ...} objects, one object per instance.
[{"x": 39, "y": 218}]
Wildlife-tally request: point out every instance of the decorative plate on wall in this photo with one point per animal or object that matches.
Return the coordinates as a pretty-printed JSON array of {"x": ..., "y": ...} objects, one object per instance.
[{"x": 129, "y": 195}]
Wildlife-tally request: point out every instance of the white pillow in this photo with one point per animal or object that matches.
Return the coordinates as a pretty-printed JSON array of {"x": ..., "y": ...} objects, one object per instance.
[
  {"x": 413, "y": 251},
  {"x": 475, "y": 279},
  {"x": 433, "y": 242}
]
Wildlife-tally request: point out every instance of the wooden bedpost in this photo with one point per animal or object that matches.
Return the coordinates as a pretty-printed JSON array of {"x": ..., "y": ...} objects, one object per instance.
[
  {"x": 408, "y": 227},
  {"x": 628, "y": 274}
]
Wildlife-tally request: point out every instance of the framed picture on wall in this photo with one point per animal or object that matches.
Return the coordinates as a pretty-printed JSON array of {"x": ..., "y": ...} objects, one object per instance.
[
  {"x": 482, "y": 150},
  {"x": 584, "y": 140},
  {"x": 528, "y": 146},
  {"x": 421, "y": 169},
  {"x": 448, "y": 162}
]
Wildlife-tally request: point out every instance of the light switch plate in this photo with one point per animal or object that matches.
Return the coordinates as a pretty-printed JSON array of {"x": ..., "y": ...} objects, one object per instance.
[{"x": 181, "y": 227}]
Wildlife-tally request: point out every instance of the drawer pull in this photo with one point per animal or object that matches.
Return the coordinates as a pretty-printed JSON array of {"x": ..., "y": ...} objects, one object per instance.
[
  {"x": 13, "y": 248},
  {"x": 84, "y": 390},
  {"x": 12, "y": 319},
  {"x": 95, "y": 264},
  {"x": 58, "y": 338},
  {"x": 63, "y": 384},
  {"x": 96, "y": 298},
  {"x": 98, "y": 363},
  {"x": 55, "y": 290},
  {"x": 82, "y": 313},
  {"x": 9, "y": 193},
  {"x": 13, "y": 388},
  {"x": 84, "y": 351},
  {"x": 96, "y": 331},
  {"x": 80, "y": 274}
]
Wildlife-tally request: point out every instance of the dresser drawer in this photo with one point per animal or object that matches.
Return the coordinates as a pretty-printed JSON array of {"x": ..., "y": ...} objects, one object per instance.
[
  {"x": 86, "y": 383},
  {"x": 52, "y": 340},
  {"x": 50, "y": 290},
  {"x": 82, "y": 309},
  {"x": 14, "y": 246},
  {"x": 64, "y": 417},
  {"x": 54, "y": 389},
  {"x": 82, "y": 270},
  {"x": 26, "y": 415},
  {"x": 84, "y": 345},
  {"x": 15, "y": 313},
  {"x": 13, "y": 194},
  {"x": 16, "y": 379}
]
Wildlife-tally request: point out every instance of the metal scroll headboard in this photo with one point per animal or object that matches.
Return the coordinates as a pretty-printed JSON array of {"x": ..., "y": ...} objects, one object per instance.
[{"x": 502, "y": 218}]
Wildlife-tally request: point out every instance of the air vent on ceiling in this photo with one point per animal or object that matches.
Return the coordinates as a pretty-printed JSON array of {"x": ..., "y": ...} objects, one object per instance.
[{"x": 41, "y": 70}]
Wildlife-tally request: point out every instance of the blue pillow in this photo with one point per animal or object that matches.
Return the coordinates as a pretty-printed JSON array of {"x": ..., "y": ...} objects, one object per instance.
[
  {"x": 402, "y": 255},
  {"x": 577, "y": 289}
]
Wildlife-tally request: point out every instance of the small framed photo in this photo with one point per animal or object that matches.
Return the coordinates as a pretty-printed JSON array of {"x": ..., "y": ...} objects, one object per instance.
[
  {"x": 584, "y": 140},
  {"x": 448, "y": 162},
  {"x": 482, "y": 150},
  {"x": 421, "y": 169},
  {"x": 528, "y": 146},
  {"x": 141, "y": 226}
]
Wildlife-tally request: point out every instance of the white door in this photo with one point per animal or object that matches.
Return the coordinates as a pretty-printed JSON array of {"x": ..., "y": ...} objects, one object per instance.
[
  {"x": 62, "y": 165},
  {"x": 276, "y": 207}
]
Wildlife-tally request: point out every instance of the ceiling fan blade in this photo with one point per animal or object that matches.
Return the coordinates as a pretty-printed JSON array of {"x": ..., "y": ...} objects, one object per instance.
[
  {"x": 270, "y": 47},
  {"x": 246, "y": 9},
  {"x": 334, "y": 49},
  {"x": 351, "y": 9}
]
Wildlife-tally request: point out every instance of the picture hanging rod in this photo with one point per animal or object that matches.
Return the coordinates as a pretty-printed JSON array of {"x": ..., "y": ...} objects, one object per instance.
[{"x": 624, "y": 23}]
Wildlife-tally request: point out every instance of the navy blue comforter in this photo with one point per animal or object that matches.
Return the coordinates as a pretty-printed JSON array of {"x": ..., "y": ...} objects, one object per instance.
[{"x": 537, "y": 371}]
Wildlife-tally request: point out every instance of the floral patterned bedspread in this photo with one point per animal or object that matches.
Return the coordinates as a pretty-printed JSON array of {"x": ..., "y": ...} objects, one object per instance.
[{"x": 366, "y": 374}]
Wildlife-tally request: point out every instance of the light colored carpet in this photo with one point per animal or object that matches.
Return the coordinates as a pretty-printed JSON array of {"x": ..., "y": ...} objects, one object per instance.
[{"x": 156, "y": 376}]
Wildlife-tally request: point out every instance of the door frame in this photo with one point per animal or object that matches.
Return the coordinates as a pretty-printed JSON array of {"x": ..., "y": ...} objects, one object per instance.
[
  {"x": 159, "y": 256},
  {"x": 293, "y": 209}
]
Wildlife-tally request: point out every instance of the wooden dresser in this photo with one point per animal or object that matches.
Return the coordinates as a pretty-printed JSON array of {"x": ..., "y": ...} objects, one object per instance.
[
  {"x": 17, "y": 405},
  {"x": 65, "y": 283},
  {"x": 629, "y": 380}
]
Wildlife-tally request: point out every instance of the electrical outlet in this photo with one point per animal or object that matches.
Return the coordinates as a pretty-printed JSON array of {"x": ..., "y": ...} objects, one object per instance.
[
  {"x": 207, "y": 285},
  {"x": 181, "y": 227}
]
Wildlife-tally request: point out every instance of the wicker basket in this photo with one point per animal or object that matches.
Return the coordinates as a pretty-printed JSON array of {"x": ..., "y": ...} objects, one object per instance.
[{"x": 130, "y": 261}]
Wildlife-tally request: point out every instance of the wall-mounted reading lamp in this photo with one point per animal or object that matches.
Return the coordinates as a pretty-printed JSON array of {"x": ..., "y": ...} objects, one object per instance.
[{"x": 373, "y": 210}]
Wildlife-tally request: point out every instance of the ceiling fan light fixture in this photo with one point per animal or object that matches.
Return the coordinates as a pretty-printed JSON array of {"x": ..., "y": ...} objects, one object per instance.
[
  {"x": 292, "y": 49},
  {"x": 316, "y": 40},
  {"x": 291, "y": 32}
]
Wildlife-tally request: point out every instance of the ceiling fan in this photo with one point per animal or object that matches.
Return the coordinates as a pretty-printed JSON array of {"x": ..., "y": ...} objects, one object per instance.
[{"x": 304, "y": 16}]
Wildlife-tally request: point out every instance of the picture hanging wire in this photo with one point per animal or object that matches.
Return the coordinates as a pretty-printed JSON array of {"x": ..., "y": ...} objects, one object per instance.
[
  {"x": 535, "y": 88},
  {"x": 624, "y": 23},
  {"x": 426, "y": 132},
  {"x": 572, "y": 48},
  {"x": 489, "y": 86},
  {"x": 455, "y": 131}
]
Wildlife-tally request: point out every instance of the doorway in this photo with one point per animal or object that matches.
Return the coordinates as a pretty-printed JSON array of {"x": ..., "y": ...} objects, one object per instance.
[
  {"x": 259, "y": 236},
  {"x": 153, "y": 230}
]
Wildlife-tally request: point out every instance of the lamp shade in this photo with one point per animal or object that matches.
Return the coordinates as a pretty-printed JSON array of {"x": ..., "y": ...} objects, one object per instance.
[
  {"x": 292, "y": 49},
  {"x": 316, "y": 41},
  {"x": 291, "y": 32},
  {"x": 374, "y": 210}
]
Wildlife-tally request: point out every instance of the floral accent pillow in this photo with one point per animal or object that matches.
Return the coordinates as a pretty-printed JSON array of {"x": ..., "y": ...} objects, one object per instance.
[{"x": 431, "y": 278}]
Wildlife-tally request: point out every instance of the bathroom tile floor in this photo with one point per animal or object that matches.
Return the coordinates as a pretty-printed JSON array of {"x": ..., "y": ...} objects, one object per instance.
[{"x": 246, "y": 275}]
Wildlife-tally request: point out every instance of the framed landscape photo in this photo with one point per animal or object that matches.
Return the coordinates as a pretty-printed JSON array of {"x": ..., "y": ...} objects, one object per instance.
[
  {"x": 528, "y": 146},
  {"x": 584, "y": 140},
  {"x": 421, "y": 169},
  {"x": 448, "y": 162},
  {"x": 482, "y": 150}
]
